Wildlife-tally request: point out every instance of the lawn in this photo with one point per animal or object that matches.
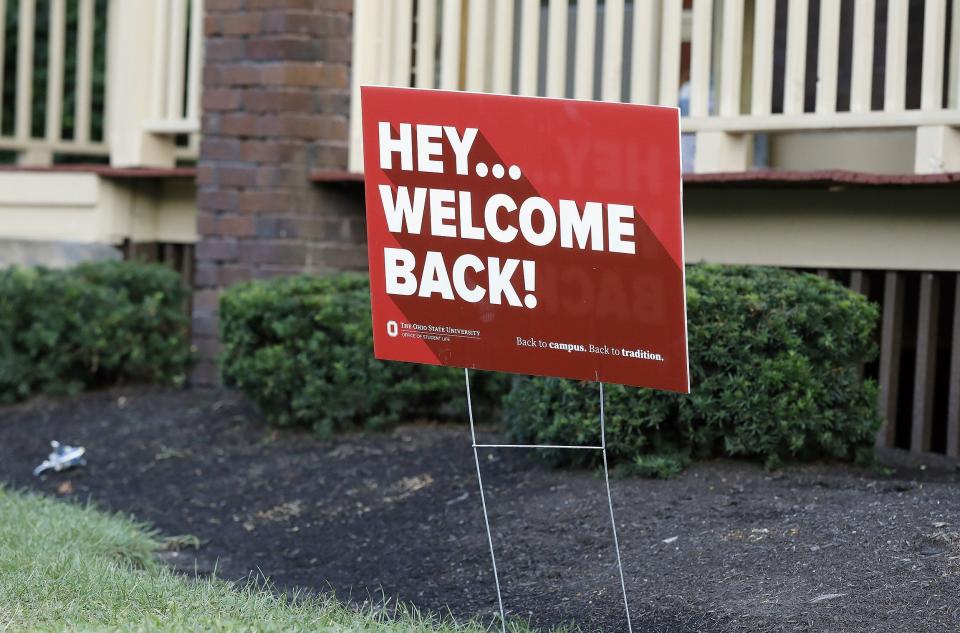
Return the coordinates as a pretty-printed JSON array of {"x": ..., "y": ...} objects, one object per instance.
[{"x": 69, "y": 567}]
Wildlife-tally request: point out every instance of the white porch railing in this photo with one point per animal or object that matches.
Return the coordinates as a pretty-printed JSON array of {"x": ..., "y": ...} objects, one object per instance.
[
  {"x": 550, "y": 48},
  {"x": 126, "y": 86}
]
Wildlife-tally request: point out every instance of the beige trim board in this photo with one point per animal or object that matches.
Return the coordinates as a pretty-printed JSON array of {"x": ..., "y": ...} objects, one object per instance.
[
  {"x": 49, "y": 206},
  {"x": 53, "y": 254},
  {"x": 870, "y": 151},
  {"x": 88, "y": 208},
  {"x": 875, "y": 228}
]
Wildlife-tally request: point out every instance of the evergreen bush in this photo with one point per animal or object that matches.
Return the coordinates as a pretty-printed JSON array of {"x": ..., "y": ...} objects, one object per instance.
[
  {"x": 774, "y": 358},
  {"x": 302, "y": 349},
  {"x": 62, "y": 331}
]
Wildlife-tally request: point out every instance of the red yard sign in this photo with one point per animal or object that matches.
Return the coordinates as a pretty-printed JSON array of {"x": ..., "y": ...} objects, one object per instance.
[{"x": 528, "y": 235}]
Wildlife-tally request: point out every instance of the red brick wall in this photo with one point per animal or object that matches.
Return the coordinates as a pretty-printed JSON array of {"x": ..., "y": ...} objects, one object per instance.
[{"x": 275, "y": 106}]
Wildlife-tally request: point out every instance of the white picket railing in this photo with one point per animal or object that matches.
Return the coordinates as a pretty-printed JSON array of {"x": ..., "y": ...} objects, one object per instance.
[
  {"x": 151, "y": 67},
  {"x": 178, "y": 35},
  {"x": 525, "y": 47}
]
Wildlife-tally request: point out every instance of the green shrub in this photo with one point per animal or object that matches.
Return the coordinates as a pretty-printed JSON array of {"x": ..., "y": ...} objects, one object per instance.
[
  {"x": 773, "y": 358},
  {"x": 97, "y": 324},
  {"x": 302, "y": 349}
]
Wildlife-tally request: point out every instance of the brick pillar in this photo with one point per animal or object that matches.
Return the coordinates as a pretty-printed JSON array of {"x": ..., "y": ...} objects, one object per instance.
[{"x": 275, "y": 106}]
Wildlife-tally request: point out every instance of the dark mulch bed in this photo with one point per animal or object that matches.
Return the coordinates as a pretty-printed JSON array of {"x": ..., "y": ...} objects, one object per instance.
[{"x": 724, "y": 547}]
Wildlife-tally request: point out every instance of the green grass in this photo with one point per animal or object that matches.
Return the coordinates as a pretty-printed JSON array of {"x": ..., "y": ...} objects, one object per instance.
[{"x": 65, "y": 567}]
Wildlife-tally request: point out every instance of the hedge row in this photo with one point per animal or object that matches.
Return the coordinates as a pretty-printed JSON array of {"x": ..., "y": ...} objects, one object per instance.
[
  {"x": 774, "y": 362},
  {"x": 97, "y": 324}
]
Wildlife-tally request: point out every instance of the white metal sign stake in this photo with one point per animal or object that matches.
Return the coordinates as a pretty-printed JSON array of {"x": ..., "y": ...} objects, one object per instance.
[
  {"x": 483, "y": 502},
  {"x": 613, "y": 521}
]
